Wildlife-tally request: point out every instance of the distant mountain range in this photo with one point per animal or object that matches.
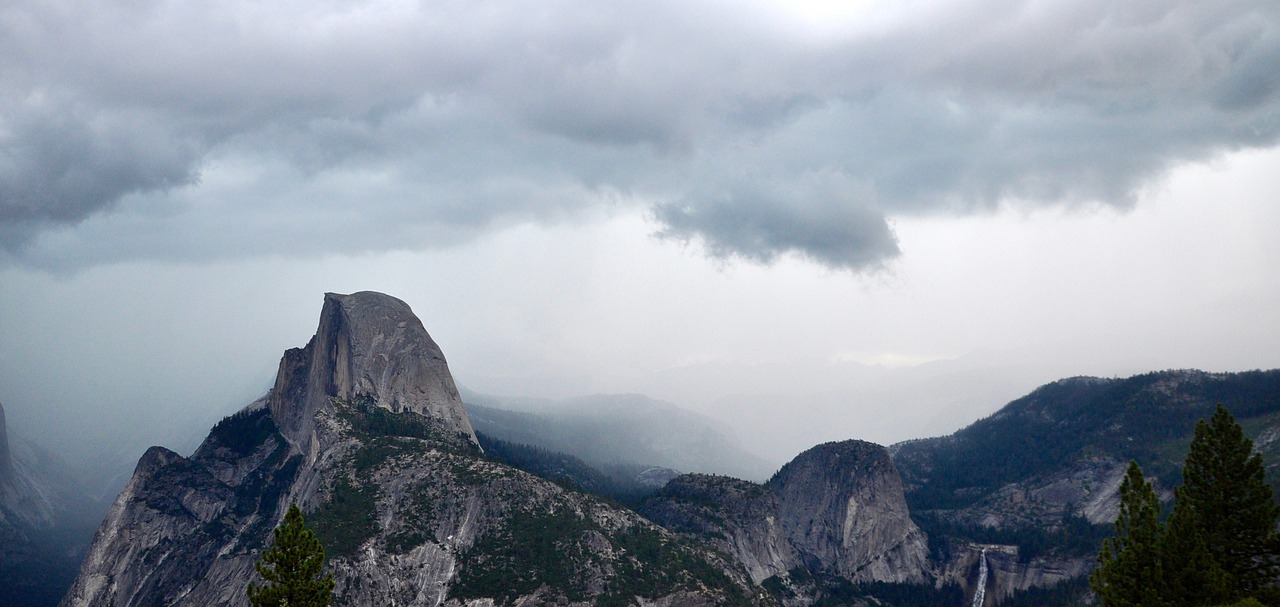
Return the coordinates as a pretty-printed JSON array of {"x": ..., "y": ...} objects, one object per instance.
[{"x": 421, "y": 500}]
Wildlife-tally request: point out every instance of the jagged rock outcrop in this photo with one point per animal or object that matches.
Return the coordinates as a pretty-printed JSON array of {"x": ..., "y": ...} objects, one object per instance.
[
  {"x": 368, "y": 346},
  {"x": 364, "y": 431},
  {"x": 835, "y": 509}
]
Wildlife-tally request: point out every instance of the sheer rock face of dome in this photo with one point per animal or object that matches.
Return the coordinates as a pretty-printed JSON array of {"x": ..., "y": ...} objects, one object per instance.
[
  {"x": 371, "y": 348},
  {"x": 837, "y": 508}
]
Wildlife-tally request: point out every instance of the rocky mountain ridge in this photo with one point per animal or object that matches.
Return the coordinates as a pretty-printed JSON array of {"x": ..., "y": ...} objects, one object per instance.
[
  {"x": 364, "y": 429},
  {"x": 1061, "y": 450},
  {"x": 373, "y": 444}
]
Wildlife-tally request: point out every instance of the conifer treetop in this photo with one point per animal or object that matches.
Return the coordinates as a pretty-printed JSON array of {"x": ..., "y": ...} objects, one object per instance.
[{"x": 292, "y": 568}]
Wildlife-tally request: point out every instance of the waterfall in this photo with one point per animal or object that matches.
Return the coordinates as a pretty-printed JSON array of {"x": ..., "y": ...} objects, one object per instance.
[{"x": 981, "y": 593}]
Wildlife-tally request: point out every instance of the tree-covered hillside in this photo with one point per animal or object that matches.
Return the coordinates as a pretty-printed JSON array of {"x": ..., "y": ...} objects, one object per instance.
[{"x": 1148, "y": 418}]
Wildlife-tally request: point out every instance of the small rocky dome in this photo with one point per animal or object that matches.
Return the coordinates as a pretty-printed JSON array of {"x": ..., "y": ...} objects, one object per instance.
[{"x": 843, "y": 503}]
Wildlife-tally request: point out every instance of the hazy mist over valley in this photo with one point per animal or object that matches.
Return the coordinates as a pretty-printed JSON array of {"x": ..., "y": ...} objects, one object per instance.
[{"x": 773, "y": 411}]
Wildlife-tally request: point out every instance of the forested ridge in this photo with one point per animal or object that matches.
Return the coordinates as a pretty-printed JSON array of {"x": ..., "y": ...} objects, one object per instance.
[{"x": 1148, "y": 418}]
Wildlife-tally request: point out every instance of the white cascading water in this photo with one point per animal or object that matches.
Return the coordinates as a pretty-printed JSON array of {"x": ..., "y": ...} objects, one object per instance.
[{"x": 981, "y": 593}]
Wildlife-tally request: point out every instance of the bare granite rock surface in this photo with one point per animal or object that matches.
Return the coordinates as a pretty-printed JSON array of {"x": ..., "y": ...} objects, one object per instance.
[
  {"x": 842, "y": 503},
  {"x": 836, "y": 508},
  {"x": 365, "y": 432},
  {"x": 368, "y": 345}
]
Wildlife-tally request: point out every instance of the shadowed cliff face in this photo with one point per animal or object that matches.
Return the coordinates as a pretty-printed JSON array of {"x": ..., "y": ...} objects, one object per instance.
[
  {"x": 369, "y": 346},
  {"x": 6, "y": 463}
]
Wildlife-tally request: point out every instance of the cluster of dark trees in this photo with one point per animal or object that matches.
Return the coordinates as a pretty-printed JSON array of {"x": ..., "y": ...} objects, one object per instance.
[{"x": 1218, "y": 546}]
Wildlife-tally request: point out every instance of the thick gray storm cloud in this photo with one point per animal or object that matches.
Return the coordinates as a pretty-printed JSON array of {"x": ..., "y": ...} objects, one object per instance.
[{"x": 157, "y": 129}]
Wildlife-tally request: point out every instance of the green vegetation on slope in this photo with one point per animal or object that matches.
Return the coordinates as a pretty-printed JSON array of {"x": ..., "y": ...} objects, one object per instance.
[
  {"x": 1067, "y": 593},
  {"x": 1075, "y": 536},
  {"x": 1148, "y": 418},
  {"x": 368, "y": 420},
  {"x": 348, "y": 518},
  {"x": 244, "y": 431},
  {"x": 565, "y": 552}
]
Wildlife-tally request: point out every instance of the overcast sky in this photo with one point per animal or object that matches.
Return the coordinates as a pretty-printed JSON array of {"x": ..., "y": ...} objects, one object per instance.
[{"x": 875, "y": 220}]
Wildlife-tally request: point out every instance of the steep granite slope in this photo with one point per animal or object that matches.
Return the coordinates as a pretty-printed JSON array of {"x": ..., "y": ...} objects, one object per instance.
[
  {"x": 369, "y": 346},
  {"x": 836, "y": 510},
  {"x": 842, "y": 503},
  {"x": 364, "y": 431}
]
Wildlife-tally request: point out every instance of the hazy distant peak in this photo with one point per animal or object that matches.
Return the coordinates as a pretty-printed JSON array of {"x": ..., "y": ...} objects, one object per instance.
[{"x": 368, "y": 346}]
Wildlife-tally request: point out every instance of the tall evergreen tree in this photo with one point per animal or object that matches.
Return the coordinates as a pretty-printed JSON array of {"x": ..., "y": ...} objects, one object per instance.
[
  {"x": 292, "y": 568},
  {"x": 1192, "y": 577},
  {"x": 1225, "y": 489},
  {"x": 1128, "y": 572}
]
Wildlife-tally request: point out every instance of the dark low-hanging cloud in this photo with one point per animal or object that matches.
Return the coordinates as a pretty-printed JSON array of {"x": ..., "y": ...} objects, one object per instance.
[
  {"x": 822, "y": 221},
  {"x": 172, "y": 130},
  {"x": 61, "y": 165}
]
